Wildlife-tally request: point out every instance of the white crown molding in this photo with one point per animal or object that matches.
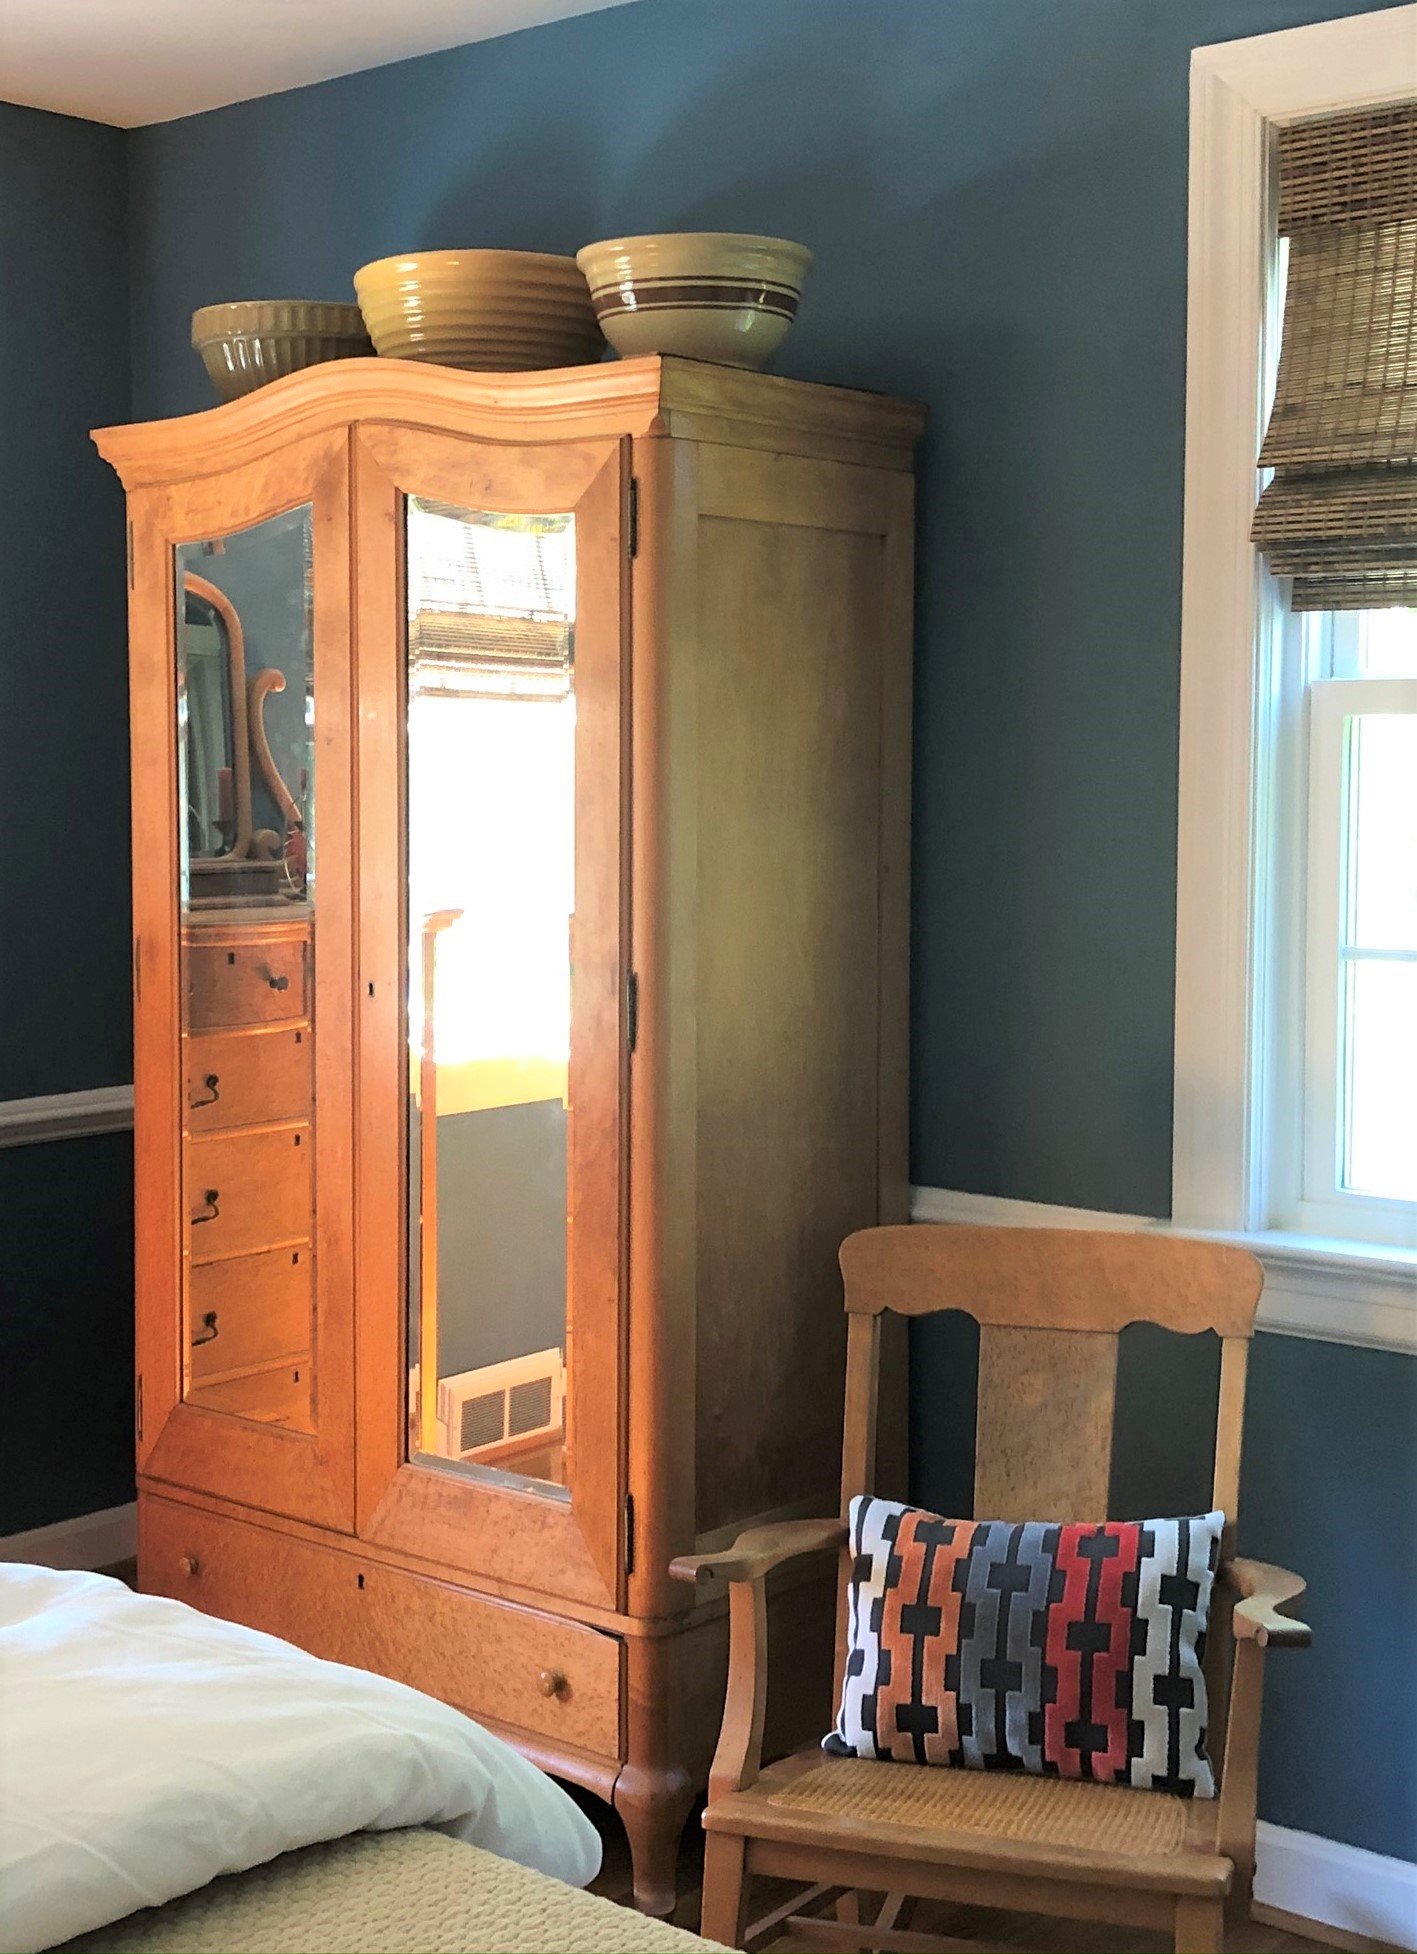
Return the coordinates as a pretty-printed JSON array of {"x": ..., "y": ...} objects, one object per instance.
[
  {"x": 90, "y": 1541},
  {"x": 1331, "y": 1291},
  {"x": 1333, "y": 1885},
  {"x": 1241, "y": 91},
  {"x": 65, "y": 1115}
]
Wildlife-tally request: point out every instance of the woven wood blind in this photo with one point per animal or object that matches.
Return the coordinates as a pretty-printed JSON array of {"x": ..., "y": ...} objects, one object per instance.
[{"x": 1340, "y": 516}]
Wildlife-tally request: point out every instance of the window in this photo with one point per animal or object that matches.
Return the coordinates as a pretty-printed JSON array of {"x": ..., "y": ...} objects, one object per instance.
[
  {"x": 491, "y": 752},
  {"x": 1295, "y": 1106},
  {"x": 1335, "y": 934},
  {"x": 1343, "y": 1162}
]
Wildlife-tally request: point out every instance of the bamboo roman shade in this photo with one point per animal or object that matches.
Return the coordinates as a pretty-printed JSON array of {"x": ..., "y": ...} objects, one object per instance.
[{"x": 1340, "y": 516}]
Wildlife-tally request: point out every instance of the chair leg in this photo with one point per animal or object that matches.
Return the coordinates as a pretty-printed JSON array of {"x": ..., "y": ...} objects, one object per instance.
[
  {"x": 848, "y": 1909},
  {"x": 725, "y": 1866},
  {"x": 896, "y": 1911},
  {"x": 1200, "y": 1927}
]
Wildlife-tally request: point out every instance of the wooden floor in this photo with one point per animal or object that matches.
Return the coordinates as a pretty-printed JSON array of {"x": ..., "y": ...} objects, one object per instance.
[{"x": 1028, "y": 1933}]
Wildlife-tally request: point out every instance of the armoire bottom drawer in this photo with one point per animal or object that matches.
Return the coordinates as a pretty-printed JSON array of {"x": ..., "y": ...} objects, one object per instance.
[{"x": 490, "y": 1659}]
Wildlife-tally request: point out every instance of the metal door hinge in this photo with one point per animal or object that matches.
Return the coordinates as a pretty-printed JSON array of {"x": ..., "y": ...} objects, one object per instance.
[
  {"x": 138, "y": 1409},
  {"x": 629, "y": 1533},
  {"x": 632, "y": 1010},
  {"x": 130, "y": 556},
  {"x": 632, "y": 518}
]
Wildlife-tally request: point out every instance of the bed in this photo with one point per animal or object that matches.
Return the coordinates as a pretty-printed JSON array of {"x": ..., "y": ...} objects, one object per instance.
[
  {"x": 169, "y": 1780},
  {"x": 388, "y": 1893}
]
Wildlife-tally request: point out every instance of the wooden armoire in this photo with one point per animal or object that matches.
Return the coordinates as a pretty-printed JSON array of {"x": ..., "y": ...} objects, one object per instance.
[{"x": 521, "y": 786}]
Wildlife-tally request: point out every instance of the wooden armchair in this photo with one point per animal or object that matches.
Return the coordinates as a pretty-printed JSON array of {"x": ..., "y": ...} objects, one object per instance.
[{"x": 1050, "y": 1305}]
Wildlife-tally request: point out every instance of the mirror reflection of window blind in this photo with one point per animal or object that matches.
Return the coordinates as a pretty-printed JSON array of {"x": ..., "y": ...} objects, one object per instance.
[
  {"x": 491, "y": 602},
  {"x": 1340, "y": 516}
]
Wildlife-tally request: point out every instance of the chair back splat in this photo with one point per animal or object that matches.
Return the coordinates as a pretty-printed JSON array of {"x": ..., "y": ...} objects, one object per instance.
[{"x": 1050, "y": 1304}]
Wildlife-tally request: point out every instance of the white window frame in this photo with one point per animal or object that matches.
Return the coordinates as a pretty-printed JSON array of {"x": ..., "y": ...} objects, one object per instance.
[{"x": 1233, "y": 673}]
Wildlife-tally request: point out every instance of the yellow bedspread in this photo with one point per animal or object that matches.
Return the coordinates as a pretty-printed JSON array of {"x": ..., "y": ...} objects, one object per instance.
[{"x": 411, "y": 1892}]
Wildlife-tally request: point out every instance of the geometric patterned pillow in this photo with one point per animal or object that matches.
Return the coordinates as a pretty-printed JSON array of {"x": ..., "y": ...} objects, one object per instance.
[{"x": 1067, "y": 1651}]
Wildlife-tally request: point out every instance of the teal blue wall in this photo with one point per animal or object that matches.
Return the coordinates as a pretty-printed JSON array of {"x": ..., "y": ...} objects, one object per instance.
[
  {"x": 1330, "y": 1486},
  {"x": 63, "y": 628},
  {"x": 66, "y": 1329},
  {"x": 66, "y": 1225},
  {"x": 995, "y": 190}
]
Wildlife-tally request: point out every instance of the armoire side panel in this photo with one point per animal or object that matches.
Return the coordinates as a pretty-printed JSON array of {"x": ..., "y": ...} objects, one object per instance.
[{"x": 789, "y": 729}]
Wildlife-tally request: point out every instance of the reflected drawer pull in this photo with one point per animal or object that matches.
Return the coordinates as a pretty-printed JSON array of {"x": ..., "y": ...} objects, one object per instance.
[
  {"x": 551, "y": 1682},
  {"x": 209, "y": 1330},
  {"x": 276, "y": 983},
  {"x": 190, "y": 1564},
  {"x": 211, "y": 1197},
  {"x": 212, "y": 1084}
]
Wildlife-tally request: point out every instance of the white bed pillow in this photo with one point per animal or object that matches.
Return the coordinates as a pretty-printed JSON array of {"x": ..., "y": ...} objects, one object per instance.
[{"x": 145, "y": 1748}]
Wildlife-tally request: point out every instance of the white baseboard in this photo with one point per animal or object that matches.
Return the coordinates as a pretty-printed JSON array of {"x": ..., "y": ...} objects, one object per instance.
[
  {"x": 65, "y": 1115},
  {"x": 1337, "y": 1885},
  {"x": 92, "y": 1540}
]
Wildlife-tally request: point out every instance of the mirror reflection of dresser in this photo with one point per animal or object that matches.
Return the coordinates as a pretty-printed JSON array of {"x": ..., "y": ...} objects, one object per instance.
[
  {"x": 248, "y": 1069},
  {"x": 246, "y": 948}
]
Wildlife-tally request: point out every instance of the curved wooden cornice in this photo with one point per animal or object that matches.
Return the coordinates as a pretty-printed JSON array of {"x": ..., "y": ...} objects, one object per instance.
[{"x": 618, "y": 397}]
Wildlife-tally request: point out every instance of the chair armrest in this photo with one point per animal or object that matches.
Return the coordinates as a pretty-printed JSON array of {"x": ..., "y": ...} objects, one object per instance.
[
  {"x": 1263, "y": 1591},
  {"x": 745, "y": 1565},
  {"x": 1255, "y": 1622},
  {"x": 758, "y": 1551}
]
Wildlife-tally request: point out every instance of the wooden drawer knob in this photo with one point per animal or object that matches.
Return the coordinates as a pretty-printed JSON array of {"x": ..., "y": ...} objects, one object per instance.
[
  {"x": 191, "y": 1564},
  {"x": 551, "y": 1682}
]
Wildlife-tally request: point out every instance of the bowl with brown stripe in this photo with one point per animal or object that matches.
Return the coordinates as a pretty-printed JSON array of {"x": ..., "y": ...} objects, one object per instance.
[
  {"x": 499, "y": 311},
  {"x": 704, "y": 295}
]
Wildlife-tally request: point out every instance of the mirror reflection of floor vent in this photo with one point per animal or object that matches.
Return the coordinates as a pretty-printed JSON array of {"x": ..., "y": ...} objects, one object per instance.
[
  {"x": 500, "y": 1408},
  {"x": 483, "y": 1421},
  {"x": 529, "y": 1408}
]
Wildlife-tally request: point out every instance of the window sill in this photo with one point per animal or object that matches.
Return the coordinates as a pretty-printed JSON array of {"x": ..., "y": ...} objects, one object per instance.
[
  {"x": 1335, "y": 1291},
  {"x": 1325, "y": 1287}
]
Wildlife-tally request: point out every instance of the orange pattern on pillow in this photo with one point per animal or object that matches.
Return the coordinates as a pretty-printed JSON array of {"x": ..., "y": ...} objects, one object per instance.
[{"x": 902, "y": 1631}]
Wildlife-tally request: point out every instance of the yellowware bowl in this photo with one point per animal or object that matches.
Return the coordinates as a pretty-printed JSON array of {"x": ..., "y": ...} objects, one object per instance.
[
  {"x": 245, "y": 344},
  {"x": 492, "y": 311},
  {"x": 707, "y": 295}
]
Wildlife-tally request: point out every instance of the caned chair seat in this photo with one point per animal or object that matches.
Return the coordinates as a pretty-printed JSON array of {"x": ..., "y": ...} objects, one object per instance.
[{"x": 1067, "y": 1829}]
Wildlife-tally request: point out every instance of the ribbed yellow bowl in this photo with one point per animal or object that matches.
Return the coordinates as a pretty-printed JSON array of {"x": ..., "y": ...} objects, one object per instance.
[
  {"x": 251, "y": 341},
  {"x": 705, "y": 295},
  {"x": 494, "y": 311}
]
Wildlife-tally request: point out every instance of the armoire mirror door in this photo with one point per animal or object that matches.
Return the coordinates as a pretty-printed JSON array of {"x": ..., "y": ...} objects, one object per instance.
[
  {"x": 242, "y": 906},
  {"x": 493, "y": 1058}
]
